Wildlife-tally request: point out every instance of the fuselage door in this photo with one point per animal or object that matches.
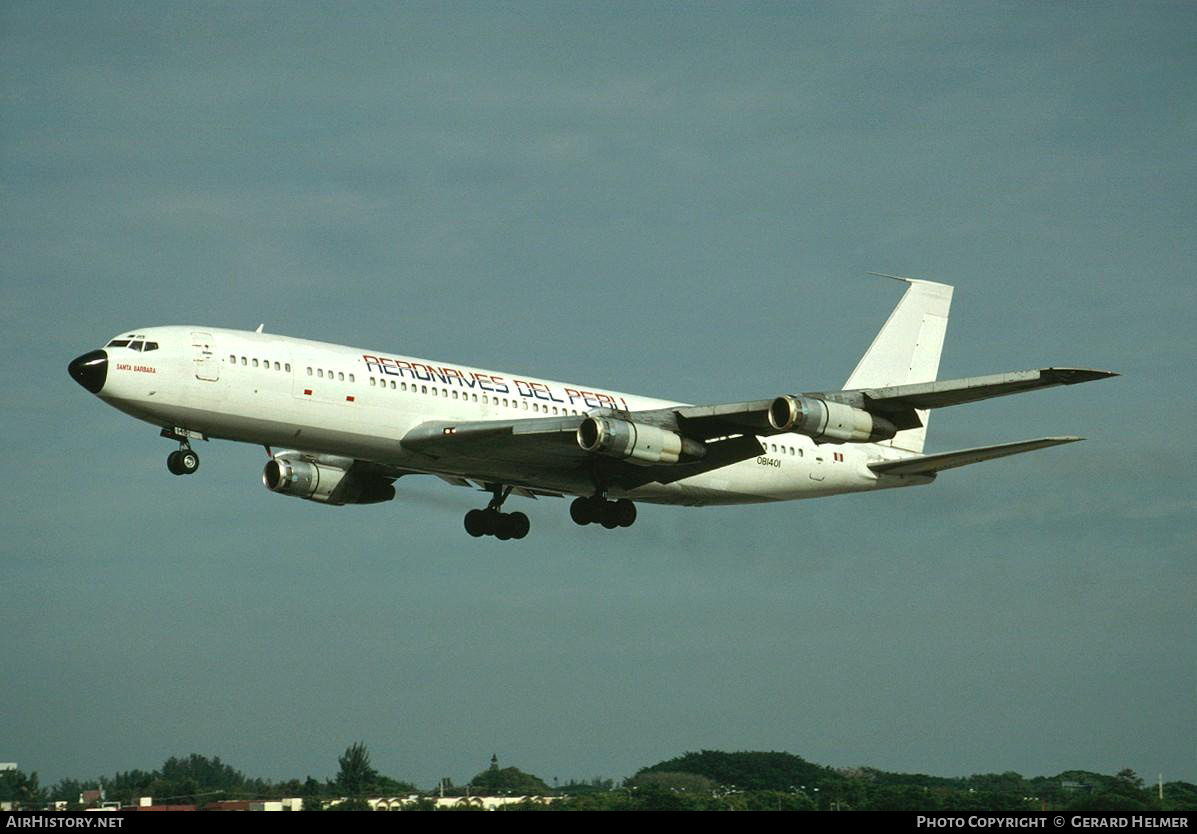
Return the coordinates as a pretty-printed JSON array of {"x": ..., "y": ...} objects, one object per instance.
[
  {"x": 817, "y": 471},
  {"x": 207, "y": 367}
]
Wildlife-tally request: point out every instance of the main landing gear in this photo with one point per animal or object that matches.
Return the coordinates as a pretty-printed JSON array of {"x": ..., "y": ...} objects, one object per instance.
[
  {"x": 598, "y": 510},
  {"x": 491, "y": 522}
]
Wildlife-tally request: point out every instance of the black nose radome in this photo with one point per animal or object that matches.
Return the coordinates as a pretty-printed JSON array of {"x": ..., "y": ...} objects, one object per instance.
[{"x": 90, "y": 370}]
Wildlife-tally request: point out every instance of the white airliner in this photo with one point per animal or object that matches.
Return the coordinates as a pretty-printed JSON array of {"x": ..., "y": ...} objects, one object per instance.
[{"x": 352, "y": 421}]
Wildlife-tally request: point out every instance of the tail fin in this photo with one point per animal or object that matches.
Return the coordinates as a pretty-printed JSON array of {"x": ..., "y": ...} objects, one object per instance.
[{"x": 907, "y": 349}]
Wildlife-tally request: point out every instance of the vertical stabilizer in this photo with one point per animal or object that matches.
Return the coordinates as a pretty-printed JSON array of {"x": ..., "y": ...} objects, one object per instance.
[{"x": 907, "y": 349}]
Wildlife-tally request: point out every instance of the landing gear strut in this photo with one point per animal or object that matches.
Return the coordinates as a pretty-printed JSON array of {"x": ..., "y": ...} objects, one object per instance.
[
  {"x": 598, "y": 510},
  {"x": 491, "y": 522}
]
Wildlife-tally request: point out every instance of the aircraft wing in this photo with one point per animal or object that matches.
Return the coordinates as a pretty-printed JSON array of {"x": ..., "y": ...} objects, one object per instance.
[
  {"x": 897, "y": 403},
  {"x": 930, "y": 464},
  {"x": 903, "y": 400},
  {"x": 546, "y": 450}
]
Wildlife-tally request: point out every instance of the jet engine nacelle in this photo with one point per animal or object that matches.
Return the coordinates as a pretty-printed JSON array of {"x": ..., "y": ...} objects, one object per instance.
[
  {"x": 830, "y": 422},
  {"x": 636, "y": 442},
  {"x": 323, "y": 483}
]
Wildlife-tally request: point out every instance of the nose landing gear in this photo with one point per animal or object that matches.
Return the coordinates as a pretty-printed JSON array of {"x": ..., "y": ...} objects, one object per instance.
[{"x": 184, "y": 461}]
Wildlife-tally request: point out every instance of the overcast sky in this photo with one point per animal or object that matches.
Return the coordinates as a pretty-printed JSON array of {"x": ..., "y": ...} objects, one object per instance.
[{"x": 669, "y": 199}]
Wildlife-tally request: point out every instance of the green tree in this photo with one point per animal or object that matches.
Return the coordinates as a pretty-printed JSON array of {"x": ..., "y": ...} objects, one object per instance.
[
  {"x": 674, "y": 781},
  {"x": 507, "y": 780},
  {"x": 751, "y": 771},
  {"x": 22, "y": 790},
  {"x": 356, "y": 776},
  {"x": 193, "y": 780}
]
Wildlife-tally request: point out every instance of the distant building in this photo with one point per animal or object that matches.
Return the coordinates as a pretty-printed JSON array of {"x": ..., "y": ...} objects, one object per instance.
[
  {"x": 288, "y": 804},
  {"x": 491, "y": 803}
]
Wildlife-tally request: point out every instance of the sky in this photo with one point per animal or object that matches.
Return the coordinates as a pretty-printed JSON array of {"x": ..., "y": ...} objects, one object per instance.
[{"x": 676, "y": 200}]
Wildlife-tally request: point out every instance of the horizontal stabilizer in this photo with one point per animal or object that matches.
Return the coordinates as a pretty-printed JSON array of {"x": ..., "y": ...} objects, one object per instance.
[{"x": 930, "y": 464}]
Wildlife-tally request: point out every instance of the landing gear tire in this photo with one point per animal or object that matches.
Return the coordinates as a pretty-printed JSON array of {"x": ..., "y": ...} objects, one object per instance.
[
  {"x": 596, "y": 510},
  {"x": 503, "y": 526},
  {"x": 607, "y": 518},
  {"x": 579, "y": 511},
  {"x": 182, "y": 462},
  {"x": 519, "y": 525},
  {"x": 188, "y": 461},
  {"x": 475, "y": 523},
  {"x": 625, "y": 512}
]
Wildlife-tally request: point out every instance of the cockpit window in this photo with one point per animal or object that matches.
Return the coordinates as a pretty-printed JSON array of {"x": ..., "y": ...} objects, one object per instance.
[
  {"x": 150, "y": 346},
  {"x": 136, "y": 345},
  {"x": 118, "y": 343}
]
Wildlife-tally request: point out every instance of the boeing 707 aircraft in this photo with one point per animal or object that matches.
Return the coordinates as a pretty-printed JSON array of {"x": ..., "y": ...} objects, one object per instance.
[{"x": 341, "y": 424}]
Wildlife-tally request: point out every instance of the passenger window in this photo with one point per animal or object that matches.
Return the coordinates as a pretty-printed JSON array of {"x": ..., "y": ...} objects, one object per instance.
[
  {"x": 287, "y": 367},
  {"x": 423, "y": 389},
  {"x": 403, "y": 385},
  {"x": 372, "y": 382},
  {"x": 475, "y": 397},
  {"x": 434, "y": 391},
  {"x": 232, "y": 360},
  {"x": 525, "y": 402},
  {"x": 392, "y": 385},
  {"x": 455, "y": 395},
  {"x": 244, "y": 361},
  {"x": 485, "y": 400},
  {"x": 341, "y": 376},
  {"x": 255, "y": 363},
  {"x": 276, "y": 367},
  {"x": 309, "y": 371},
  {"x": 351, "y": 377},
  {"x": 320, "y": 373}
]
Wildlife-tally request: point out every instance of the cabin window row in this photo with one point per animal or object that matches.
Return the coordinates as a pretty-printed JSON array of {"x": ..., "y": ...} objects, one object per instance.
[
  {"x": 265, "y": 363},
  {"x": 782, "y": 449},
  {"x": 320, "y": 373}
]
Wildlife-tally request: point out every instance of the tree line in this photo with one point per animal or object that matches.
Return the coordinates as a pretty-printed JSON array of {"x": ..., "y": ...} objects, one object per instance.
[{"x": 705, "y": 780}]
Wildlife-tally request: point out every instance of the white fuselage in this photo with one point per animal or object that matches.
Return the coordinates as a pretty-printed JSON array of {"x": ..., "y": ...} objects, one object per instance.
[{"x": 291, "y": 393}]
